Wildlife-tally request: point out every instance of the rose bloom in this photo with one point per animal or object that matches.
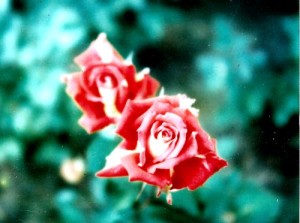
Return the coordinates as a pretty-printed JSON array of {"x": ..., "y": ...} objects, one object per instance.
[
  {"x": 105, "y": 83},
  {"x": 164, "y": 145}
]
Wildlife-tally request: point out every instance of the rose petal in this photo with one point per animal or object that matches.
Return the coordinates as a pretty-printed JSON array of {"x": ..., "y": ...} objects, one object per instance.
[
  {"x": 186, "y": 103},
  {"x": 146, "y": 86},
  {"x": 113, "y": 166},
  {"x": 178, "y": 123},
  {"x": 93, "y": 77},
  {"x": 117, "y": 171},
  {"x": 144, "y": 129},
  {"x": 72, "y": 81},
  {"x": 124, "y": 87},
  {"x": 207, "y": 143},
  {"x": 134, "y": 114},
  {"x": 135, "y": 173},
  {"x": 157, "y": 145},
  {"x": 190, "y": 150},
  {"x": 193, "y": 172},
  {"x": 91, "y": 108},
  {"x": 93, "y": 124},
  {"x": 99, "y": 50},
  {"x": 127, "y": 125}
]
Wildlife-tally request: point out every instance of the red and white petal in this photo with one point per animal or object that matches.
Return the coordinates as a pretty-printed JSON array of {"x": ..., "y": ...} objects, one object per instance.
[
  {"x": 136, "y": 173},
  {"x": 100, "y": 50},
  {"x": 190, "y": 150},
  {"x": 129, "y": 122},
  {"x": 117, "y": 171},
  {"x": 192, "y": 173},
  {"x": 114, "y": 166},
  {"x": 146, "y": 86},
  {"x": 91, "y": 124},
  {"x": 73, "y": 83}
]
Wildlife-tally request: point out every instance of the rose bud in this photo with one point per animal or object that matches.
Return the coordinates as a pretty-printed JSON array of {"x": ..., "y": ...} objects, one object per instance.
[
  {"x": 105, "y": 83},
  {"x": 163, "y": 145}
]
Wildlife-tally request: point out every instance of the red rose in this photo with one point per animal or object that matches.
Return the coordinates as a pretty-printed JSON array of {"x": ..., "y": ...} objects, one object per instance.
[
  {"x": 105, "y": 83},
  {"x": 163, "y": 145}
]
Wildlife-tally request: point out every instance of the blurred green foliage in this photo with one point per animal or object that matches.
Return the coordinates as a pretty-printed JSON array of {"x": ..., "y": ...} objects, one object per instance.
[{"x": 239, "y": 59}]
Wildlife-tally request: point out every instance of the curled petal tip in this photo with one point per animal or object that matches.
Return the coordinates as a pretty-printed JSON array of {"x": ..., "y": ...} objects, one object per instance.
[
  {"x": 98, "y": 174},
  {"x": 103, "y": 36},
  {"x": 83, "y": 123},
  {"x": 146, "y": 70}
]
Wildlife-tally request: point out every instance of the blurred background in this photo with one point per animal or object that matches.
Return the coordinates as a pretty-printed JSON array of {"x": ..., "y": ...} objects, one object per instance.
[{"x": 238, "y": 58}]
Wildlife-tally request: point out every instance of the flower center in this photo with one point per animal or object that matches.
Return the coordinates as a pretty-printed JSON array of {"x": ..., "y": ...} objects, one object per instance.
[
  {"x": 108, "y": 81},
  {"x": 165, "y": 135},
  {"x": 160, "y": 139}
]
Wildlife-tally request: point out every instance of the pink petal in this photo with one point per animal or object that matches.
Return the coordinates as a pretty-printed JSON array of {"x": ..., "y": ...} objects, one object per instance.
[
  {"x": 113, "y": 166},
  {"x": 117, "y": 171},
  {"x": 193, "y": 172},
  {"x": 98, "y": 51},
  {"x": 74, "y": 89},
  {"x": 178, "y": 123},
  {"x": 73, "y": 83},
  {"x": 146, "y": 87},
  {"x": 207, "y": 143},
  {"x": 190, "y": 150},
  {"x": 94, "y": 124},
  {"x": 124, "y": 87},
  {"x": 127, "y": 125},
  {"x": 135, "y": 173},
  {"x": 145, "y": 126}
]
